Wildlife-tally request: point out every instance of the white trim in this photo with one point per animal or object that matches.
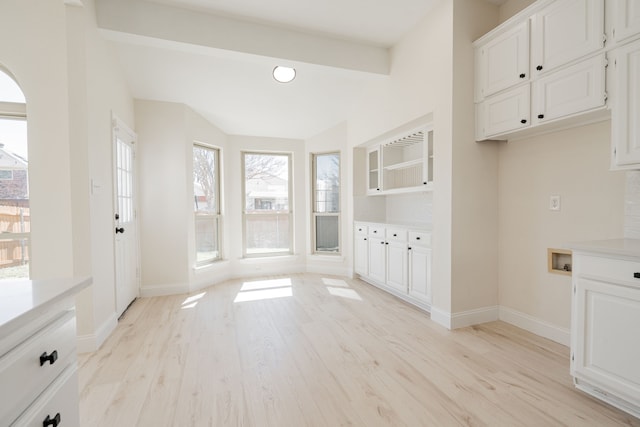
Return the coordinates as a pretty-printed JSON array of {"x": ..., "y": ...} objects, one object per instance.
[
  {"x": 535, "y": 325},
  {"x": 92, "y": 342},
  {"x": 474, "y": 317},
  {"x": 164, "y": 290},
  {"x": 441, "y": 317},
  {"x": 77, "y": 3}
]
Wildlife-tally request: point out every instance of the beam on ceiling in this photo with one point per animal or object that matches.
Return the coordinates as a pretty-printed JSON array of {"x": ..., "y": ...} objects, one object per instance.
[{"x": 173, "y": 24}]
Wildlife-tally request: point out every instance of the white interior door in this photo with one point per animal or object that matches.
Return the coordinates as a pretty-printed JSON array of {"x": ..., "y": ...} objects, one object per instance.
[{"x": 125, "y": 224}]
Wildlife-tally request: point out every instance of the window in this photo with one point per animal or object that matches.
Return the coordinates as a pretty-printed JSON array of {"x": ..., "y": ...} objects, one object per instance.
[
  {"x": 267, "y": 214},
  {"x": 15, "y": 217},
  {"x": 326, "y": 203},
  {"x": 206, "y": 197}
]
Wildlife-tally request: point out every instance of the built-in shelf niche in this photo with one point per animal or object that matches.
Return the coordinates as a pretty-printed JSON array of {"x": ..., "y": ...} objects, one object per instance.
[{"x": 559, "y": 261}]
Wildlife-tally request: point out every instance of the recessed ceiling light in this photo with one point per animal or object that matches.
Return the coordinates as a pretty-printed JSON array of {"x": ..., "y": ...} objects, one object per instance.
[{"x": 284, "y": 74}]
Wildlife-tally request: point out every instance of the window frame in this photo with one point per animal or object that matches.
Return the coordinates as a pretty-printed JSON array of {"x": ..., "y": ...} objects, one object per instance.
[
  {"x": 315, "y": 214},
  {"x": 217, "y": 217},
  {"x": 245, "y": 214}
]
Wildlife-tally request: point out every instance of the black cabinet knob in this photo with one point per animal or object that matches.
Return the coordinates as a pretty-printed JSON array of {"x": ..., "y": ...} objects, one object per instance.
[
  {"x": 409, "y": 248},
  {"x": 365, "y": 238},
  {"x": 386, "y": 243},
  {"x": 523, "y": 75},
  {"x": 117, "y": 216},
  {"x": 377, "y": 189},
  {"x": 51, "y": 421},
  {"x": 119, "y": 230},
  {"x": 382, "y": 243},
  {"x": 424, "y": 183},
  {"x": 636, "y": 275},
  {"x": 523, "y": 121},
  {"x": 541, "y": 116},
  {"x": 417, "y": 238},
  {"x": 539, "y": 68},
  {"x": 395, "y": 235},
  {"x": 51, "y": 358}
]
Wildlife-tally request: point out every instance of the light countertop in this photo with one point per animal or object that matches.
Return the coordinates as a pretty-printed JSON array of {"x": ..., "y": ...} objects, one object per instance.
[
  {"x": 21, "y": 300},
  {"x": 620, "y": 247}
]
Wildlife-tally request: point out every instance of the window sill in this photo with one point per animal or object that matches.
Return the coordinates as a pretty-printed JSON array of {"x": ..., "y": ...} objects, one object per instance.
[{"x": 337, "y": 258}]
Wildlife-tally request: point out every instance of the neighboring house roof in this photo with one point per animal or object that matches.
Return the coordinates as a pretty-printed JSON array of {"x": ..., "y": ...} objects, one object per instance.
[{"x": 10, "y": 160}]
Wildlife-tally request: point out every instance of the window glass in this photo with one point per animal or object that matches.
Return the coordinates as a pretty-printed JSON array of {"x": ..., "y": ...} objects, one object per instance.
[
  {"x": 267, "y": 215},
  {"x": 206, "y": 195},
  {"x": 15, "y": 215},
  {"x": 326, "y": 202}
]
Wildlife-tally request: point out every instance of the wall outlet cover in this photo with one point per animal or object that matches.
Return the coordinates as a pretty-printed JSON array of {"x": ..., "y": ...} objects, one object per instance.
[{"x": 554, "y": 203}]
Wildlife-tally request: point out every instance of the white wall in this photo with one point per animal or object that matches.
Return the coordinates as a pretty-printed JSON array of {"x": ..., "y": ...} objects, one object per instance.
[
  {"x": 33, "y": 47},
  {"x": 72, "y": 83},
  {"x": 573, "y": 164}
]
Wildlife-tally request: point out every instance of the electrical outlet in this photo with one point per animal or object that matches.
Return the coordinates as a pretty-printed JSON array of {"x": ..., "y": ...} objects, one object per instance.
[{"x": 554, "y": 203}]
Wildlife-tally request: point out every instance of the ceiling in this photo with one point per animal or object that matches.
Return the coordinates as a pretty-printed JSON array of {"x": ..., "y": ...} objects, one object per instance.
[{"x": 216, "y": 56}]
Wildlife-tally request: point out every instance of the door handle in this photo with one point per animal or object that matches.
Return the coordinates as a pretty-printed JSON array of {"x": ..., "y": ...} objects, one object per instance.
[{"x": 119, "y": 230}]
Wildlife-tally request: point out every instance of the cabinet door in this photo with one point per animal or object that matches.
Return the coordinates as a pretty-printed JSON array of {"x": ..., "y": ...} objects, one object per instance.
[
  {"x": 606, "y": 348},
  {"x": 377, "y": 251},
  {"x": 420, "y": 273},
  {"x": 373, "y": 171},
  {"x": 564, "y": 31},
  {"x": 397, "y": 265},
  {"x": 625, "y": 115},
  {"x": 569, "y": 91},
  {"x": 361, "y": 256},
  {"x": 503, "y": 61},
  {"x": 505, "y": 112},
  {"x": 627, "y": 19}
]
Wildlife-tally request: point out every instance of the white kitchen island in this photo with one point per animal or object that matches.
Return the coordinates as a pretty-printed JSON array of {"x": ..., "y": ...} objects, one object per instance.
[{"x": 38, "y": 361}]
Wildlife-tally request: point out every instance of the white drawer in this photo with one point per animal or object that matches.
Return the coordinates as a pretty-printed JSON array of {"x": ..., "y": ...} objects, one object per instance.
[
  {"x": 59, "y": 400},
  {"x": 22, "y": 366},
  {"x": 361, "y": 229},
  {"x": 376, "y": 230},
  {"x": 422, "y": 238},
  {"x": 396, "y": 234},
  {"x": 612, "y": 269}
]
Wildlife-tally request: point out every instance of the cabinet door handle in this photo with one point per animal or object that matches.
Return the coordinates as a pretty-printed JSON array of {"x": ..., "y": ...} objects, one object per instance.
[
  {"x": 409, "y": 248},
  {"x": 541, "y": 116},
  {"x": 417, "y": 238},
  {"x": 424, "y": 183},
  {"x": 395, "y": 235},
  {"x": 386, "y": 243},
  {"x": 523, "y": 121},
  {"x": 382, "y": 243},
  {"x": 523, "y": 75},
  {"x": 375, "y": 231},
  {"x": 51, "y": 421},
  {"x": 51, "y": 358},
  {"x": 365, "y": 238},
  {"x": 539, "y": 68},
  {"x": 636, "y": 275}
]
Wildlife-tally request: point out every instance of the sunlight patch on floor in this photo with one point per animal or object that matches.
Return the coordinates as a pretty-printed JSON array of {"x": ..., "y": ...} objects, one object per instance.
[
  {"x": 265, "y": 289},
  {"x": 335, "y": 282},
  {"x": 192, "y": 301},
  {"x": 344, "y": 293}
]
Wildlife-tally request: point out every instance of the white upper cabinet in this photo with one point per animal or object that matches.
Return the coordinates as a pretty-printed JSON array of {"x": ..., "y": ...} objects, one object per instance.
[
  {"x": 626, "y": 17},
  {"x": 571, "y": 90},
  {"x": 505, "y": 112},
  {"x": 625, "y": 115},
  {"x": 503, "y": 62},
  {"x": 565, "y": 30}
]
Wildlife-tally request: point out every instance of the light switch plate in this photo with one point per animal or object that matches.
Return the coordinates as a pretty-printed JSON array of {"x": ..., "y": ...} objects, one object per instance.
[{"x": 554, "y": 203}]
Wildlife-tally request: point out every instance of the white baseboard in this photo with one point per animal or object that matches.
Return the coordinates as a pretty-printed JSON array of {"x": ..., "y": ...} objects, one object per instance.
[
  {"x": 535, "y": 325},
  {"x": 91, "y": 342},
  {"x": 441, "y": 317},
  {"x": 164, "y": 290},
  {"x": 474, "y": 317}
]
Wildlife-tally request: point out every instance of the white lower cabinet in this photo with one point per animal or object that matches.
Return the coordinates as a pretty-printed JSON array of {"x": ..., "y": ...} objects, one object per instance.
[
  {"x": 420, "y": 273},
  {"x": 605, "y": 348},
  {"x": 397, "y": 260},
  {"x": 397, "y": 265}
]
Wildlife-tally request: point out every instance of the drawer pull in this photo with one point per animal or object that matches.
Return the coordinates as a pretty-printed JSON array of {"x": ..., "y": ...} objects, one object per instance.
[
  {"x": 417, "y": 238},
  {"x": 51, "y": 421},
  {"x": 395, "y": 235},
  {"x": 51, "y": 358},
  {"x": 636, "y": 275}
]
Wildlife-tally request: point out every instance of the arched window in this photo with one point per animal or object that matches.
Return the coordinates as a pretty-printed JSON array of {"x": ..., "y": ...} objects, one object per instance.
[{"x": 15, "y": 218}]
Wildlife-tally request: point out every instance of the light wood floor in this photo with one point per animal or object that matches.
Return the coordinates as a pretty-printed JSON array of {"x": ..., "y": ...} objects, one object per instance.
[{"x": 335, "y": 352}]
